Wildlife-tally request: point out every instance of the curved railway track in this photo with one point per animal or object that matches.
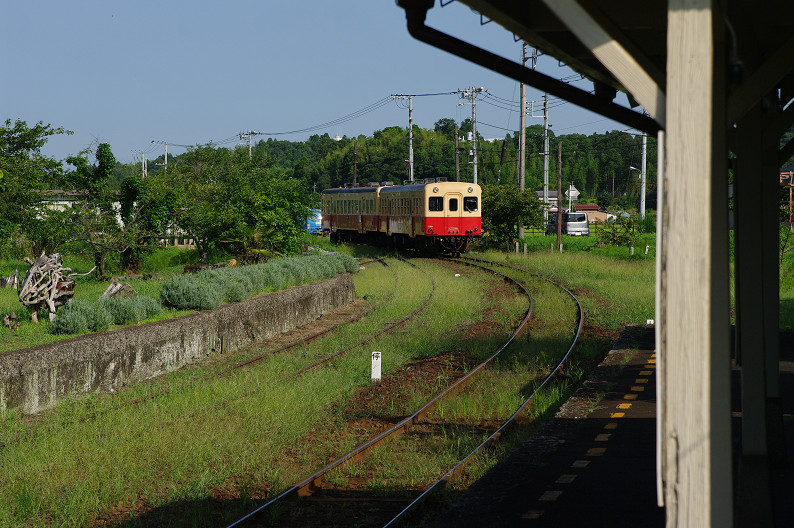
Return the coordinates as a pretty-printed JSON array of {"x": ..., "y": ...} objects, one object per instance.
[
  {"x": 494, "y": 437},
  {"x": 310, "y": 484}
]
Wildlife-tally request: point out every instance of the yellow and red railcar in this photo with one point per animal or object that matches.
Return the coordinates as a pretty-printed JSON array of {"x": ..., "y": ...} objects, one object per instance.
[{"x": 431, "y": 215}]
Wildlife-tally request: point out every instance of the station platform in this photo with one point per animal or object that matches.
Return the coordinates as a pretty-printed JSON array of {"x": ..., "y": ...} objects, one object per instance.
[{"x": 594, "y": 464}]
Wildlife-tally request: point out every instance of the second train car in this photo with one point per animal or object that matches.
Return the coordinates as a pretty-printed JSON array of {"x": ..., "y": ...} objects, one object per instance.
[{"x": 431, "y": 215}]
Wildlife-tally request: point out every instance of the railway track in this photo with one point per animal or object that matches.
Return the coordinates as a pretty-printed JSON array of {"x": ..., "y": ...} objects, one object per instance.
[{"x": 399, "y": 507}]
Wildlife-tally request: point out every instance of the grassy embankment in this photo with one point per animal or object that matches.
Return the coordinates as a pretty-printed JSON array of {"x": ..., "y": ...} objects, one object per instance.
[{"x": 203, "y": 433}]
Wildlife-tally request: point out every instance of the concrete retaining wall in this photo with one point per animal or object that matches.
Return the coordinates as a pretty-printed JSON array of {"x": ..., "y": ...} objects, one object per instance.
[{"x": 33, "y": 379}]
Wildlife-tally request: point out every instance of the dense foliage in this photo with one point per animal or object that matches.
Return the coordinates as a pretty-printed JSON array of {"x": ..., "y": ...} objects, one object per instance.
[
  {"x": 253, "y": 206},
  {"x": 503, "y": 208},
  {"x": 24, "y": 174}
]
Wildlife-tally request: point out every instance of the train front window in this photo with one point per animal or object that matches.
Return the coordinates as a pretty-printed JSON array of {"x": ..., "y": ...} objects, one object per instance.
[
  {"x": 436, "y": 203},
  {"x": 470, "y": 204},
  {"x": 453, "y": 204}
]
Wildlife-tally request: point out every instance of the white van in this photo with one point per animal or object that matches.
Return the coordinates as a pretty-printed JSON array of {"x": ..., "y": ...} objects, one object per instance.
[{"x": 574, "y": 224}]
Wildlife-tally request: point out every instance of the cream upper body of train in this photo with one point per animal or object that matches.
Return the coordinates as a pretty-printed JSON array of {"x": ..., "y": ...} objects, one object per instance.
[{"x": 430, "y": 215}]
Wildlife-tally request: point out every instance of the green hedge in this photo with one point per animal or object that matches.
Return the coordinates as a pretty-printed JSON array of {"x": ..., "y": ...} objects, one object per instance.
[
  {"x": 209, "y": 288},
  {"x": 201, "y": 291},
  {"x": 78, "y": 317}
]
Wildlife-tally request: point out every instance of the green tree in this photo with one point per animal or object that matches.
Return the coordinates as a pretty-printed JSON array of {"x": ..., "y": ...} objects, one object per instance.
[
  {"x": 224, "y": 200},
  {"x": 503, "y": 207},
  {"x": 93, "y": 217},
  {"x": 445, "y": 127},
  {"x": 24, "y": 173}
]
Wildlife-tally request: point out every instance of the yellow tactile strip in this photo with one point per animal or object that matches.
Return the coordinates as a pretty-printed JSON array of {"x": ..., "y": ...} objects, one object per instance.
[{"x": 622, "y": 411}]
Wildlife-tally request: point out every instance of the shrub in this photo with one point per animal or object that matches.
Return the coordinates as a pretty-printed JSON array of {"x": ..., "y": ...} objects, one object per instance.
[
  {"x": 207, "y": 289},
  {"x": 185, "y": 292},
  {"x": 130, "y": 310},
  {"x": 79, "y": 316},
  {"x": 621, "y": 232}
]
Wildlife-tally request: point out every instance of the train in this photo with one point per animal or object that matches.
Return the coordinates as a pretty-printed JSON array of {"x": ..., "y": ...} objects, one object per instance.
[
  {"x": 313, "y": 224},
  {"x": 431, "y": 215}
]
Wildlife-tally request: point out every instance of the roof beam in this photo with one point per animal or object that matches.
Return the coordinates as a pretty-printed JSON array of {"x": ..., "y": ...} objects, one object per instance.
[
  {"x": 761, "y": 82},
  {"x": 613, "y": 55},
  {"x": 415, "y": 12},
  {"x": 785, "y": 153},
  {"x": 782, "y": 122}
]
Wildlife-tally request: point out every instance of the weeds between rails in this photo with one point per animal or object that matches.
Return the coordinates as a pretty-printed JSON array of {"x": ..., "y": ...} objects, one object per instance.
[
  {"x": 494, "y": 437},
  {"x": 310, "y": 484}
]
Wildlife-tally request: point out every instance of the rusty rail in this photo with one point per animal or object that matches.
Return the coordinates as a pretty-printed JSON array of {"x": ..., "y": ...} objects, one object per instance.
[{"x": 309, "y": 484}]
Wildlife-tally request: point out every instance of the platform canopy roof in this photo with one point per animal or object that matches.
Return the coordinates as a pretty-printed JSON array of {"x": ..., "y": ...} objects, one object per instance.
[{"x": 621, "y": 45}]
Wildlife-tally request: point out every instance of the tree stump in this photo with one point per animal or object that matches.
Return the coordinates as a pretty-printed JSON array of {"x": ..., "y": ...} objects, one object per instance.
[{"x": 47, "y": 283}]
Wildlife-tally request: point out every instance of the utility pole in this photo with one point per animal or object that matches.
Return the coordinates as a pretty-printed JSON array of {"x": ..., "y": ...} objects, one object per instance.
[
  {"x": 546, "y": 154},
  {"x": 471, "y": 95},
  {"x": 410, "y": 97},
  {"x": 144, "y": 171},
  {"x": 411, "y": 138},
  {"x": 457, "y": 152},
  {"x": 522, "y": 137},
  {"x": 248, "y": 135},
  {"x": 165, "y": 144},
  {"x": 642, "y": 174},
  {"x": 559, "y": 194}
]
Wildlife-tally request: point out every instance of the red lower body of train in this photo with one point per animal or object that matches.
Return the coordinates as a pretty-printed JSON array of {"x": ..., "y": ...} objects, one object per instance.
[{"x": 431, "y": 216}]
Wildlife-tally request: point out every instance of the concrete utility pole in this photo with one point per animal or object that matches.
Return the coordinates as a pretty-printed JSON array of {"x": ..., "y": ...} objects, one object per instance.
[
  {"x": 457, "y": 153},
  {"x": 546, "y": 153},
  {"x": 471, "y": 95},
  {"x": 411, "y": 138},
  {"x": 522, "y": 137},
  {"x": 642, "y": 174},
  {"x": 248, "y": 135},
  {"x": 410, "y": 97},
  {"x": 143, "y": 162},
  {"x": 522, "y": 131},
  {"x": 165, "y": 144},
  {"x": 559, "y": 194}
]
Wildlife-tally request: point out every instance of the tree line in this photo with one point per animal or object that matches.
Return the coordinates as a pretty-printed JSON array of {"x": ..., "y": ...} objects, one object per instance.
[
  {"x": 254, "y": 205},
  {"x": 603, "y": 167}
]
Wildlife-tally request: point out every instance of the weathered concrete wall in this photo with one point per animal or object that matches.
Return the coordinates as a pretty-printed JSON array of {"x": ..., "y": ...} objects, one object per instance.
[{"x": 33, "y": 379}]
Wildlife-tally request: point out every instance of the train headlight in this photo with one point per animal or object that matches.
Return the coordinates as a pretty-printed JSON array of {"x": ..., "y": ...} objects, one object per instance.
[
  {"x": 435, "y": 189},
  {"x": 471, "y": 189}
]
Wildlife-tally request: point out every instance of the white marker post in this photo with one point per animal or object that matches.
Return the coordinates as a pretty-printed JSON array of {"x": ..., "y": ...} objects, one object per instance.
[{"x": 375, "y": 377}]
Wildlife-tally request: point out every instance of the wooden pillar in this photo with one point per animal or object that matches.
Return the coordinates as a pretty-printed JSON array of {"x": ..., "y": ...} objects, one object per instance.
[
  {"x": 696, "y": 434},
  {"x": 770, "y": 229},
  {"x": 754, "y": 505}
]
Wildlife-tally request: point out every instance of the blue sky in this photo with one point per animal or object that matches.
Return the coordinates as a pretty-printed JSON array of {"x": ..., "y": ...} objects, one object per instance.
[{"x": 190, "y": 72}]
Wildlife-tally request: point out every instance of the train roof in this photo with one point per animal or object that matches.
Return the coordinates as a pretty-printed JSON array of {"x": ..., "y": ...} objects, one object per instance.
[
  {"x": 408, "y": 186},
  {"x": 343, "y": 190}
]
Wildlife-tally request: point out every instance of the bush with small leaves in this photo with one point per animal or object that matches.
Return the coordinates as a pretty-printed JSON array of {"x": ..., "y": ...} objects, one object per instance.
[
  {"x": 191, "y": 292},
  {"x": 79, "y": 316}
]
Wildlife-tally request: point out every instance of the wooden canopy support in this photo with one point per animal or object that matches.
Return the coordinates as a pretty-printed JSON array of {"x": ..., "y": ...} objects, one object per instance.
[
  {"x": 612, "y": 52},
  {"x": 695, "y": 345},
  {"x": 683, "y": 61},
  {"x": 763, "y": 81}
]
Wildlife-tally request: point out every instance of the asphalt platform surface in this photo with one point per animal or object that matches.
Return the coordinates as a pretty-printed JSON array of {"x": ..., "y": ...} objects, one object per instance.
[{"x": 594, "y": 464}]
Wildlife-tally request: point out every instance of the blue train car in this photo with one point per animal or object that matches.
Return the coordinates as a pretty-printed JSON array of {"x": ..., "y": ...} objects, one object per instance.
[{"x": 314, "y": 224}]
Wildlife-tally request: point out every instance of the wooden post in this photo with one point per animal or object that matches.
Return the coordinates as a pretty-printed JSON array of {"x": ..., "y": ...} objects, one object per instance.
[
  {"x": 754, "y": 503},
  {"x": 695, "y": 344}
]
